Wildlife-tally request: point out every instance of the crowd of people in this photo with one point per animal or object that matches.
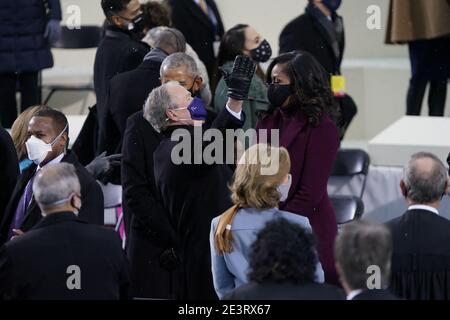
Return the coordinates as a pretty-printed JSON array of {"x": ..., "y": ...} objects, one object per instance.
[{"x": 199, "y": 229}]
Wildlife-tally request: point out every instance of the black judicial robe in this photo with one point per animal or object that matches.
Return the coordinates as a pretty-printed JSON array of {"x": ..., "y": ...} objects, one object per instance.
[
  {"x": 192, "y": 195},
  {"x": 421, "y": 256}
]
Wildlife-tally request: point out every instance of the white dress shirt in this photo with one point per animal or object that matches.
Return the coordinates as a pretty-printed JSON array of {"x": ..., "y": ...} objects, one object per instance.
[
  {"x": 423, "y": 207},
  {"x": 54, "y": 161},
  {"x": 353, "y": 294},
  {"x": 234, "y": 114}
]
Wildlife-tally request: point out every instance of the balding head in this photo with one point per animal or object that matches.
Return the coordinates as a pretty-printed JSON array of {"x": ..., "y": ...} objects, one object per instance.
[
  {"x": 55, "y": 186},
  {"x": 425, "y": 179}
]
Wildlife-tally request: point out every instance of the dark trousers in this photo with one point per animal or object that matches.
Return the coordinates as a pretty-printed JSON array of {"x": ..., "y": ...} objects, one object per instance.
[
  {"x": 348, "y": 111},
  {"x": 10, "y": 83},
  {"x": 436, "y": 97},
  {"x": 430, "y": 65}
]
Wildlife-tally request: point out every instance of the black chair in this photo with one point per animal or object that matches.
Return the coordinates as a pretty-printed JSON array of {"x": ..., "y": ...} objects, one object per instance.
[
  {"x": 350, "y": 163},
  {"x": 347, "y": 208},
  {"x": 87, "y": 37}
]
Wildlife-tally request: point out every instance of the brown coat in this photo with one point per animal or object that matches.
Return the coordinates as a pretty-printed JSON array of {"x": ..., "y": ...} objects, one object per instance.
[{"x": 411, "y": 20}]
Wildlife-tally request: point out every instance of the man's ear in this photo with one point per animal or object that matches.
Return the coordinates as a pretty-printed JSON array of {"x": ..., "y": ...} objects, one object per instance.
[
  {"x": 171, "y": 115},
  {"x": 446, "y": 187},
  {"x": 198, "y": 83},
  {"x": 64, "y": 140},
  {"x": 116, "y": 20},
  {"x": 403, "y": 188}
]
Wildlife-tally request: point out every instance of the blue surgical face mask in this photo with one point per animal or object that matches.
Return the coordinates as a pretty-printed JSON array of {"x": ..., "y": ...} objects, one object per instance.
[{"x": 197, "y": 110}]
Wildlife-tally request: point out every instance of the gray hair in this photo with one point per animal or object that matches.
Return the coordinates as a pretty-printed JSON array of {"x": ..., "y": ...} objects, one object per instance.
[
  {"x": 178, "y": 60},
  {"x": 360, "y": 245},
  {"x": 425, "y": 185},
  {"x": 158, "y": 102},
  {"x": 168, "y": 39},
  {"x": 55, "y": 183}
]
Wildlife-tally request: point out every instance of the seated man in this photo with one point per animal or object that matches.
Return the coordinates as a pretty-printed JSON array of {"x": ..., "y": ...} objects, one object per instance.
[
  {"x": 421, "y": 256},
  {"x": 62, "y": 257},
  {"x": 283, "y": 263},
  {"x": 49, "y": 137},
  {"x": 360, "y": 246}
]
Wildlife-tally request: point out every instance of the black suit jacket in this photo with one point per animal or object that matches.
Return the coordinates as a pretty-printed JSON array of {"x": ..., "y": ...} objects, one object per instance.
[
  {"x": 198, "y": 29},
  {"x": 36, "y": 265},
  {"x": 149, "y": 231},
  {"x": 127, "y": 94},
  {"x": 421, "y": 256},
  {"x": 9, "y": 170},
  {"x": 375, "y": 295},
  {"x": 285, "y": 291},
  {"x": 305, "y": 33},
  {"x": 118, "y": 52},
  {"x": 192, "y": 195},
  {"x": 92, "y": 209}
]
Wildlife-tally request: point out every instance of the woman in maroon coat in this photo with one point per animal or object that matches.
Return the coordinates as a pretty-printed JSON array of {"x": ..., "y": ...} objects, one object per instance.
[{"x": 302, "y": 108}]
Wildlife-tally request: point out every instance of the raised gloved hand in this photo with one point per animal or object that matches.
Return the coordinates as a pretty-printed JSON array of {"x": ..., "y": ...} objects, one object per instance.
[
  {"x": 53, "y": 31},
  {"x": 103, "y": 166},
  {"x": 240, "y": 78}
]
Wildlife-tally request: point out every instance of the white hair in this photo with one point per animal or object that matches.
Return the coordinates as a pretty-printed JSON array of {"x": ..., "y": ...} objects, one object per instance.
[
  {"x": 158, "y": 102},
  {"x": 55, "y": 183},
  {"x": 178, "y": 60}
]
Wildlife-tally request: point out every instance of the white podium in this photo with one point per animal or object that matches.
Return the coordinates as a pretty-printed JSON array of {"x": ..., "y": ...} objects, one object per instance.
[{"x": 408, "y": 135}]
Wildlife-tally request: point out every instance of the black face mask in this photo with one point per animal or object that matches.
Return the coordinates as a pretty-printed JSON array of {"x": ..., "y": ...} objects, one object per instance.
[
  {"x": 135, "y": 25},
  {"x": 194, "y": 94},
  {"x": 262, "y": 53},
  {"x": 278, "y": 94},
  {"x": 332, "y": 5}
]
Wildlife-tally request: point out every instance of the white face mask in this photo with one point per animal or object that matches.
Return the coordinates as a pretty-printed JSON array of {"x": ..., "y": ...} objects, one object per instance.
[
  {"x": 38, "y": 149},
  {"x": 283, "y": 189}
]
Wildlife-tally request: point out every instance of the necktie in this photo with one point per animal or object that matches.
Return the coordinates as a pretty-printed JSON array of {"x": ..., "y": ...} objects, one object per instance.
[
  {"x": 22, "y": 207},
  {"x": 202, "y": 4}
]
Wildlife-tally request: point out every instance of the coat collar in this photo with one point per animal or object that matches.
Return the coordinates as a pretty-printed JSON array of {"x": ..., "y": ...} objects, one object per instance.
[
  {"x": 117, "y": 33},
  {"x": 156, "y": 55},
  {"x": 70, "y": 157},
  {"x": 198, "y": 13},
  {"x": 56, "y": 218},
  {"x": 327, "y": 29}
]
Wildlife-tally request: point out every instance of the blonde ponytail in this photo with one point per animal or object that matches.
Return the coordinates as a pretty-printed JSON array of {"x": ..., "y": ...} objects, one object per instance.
[{"x": 223, "y": 237}]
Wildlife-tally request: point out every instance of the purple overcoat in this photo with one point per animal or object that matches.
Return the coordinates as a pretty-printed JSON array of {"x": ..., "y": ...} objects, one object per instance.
[{"x": 313, "y": 152}]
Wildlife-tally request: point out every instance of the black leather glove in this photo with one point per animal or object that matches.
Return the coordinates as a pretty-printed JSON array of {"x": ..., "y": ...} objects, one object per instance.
[
  {"x": 102, "y": 167},
  {"x": 240, "y": 78},
  {"x": 168, "y": 259}
]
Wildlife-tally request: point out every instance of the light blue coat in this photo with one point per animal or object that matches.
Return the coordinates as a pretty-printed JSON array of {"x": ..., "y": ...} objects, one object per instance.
[{"x": 230, "y": 269}]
